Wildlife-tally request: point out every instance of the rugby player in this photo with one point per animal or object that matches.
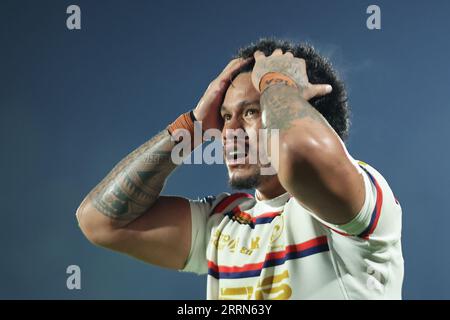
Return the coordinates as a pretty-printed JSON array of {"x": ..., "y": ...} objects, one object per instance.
[{"x": 324, "y": 226}]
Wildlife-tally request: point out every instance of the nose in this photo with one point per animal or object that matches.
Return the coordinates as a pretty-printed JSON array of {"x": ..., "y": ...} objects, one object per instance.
[{"x": 232, "y": 129}]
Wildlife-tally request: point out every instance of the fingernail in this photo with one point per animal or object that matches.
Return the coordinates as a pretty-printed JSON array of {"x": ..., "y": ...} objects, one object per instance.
[{"x": 329, "y": 88}]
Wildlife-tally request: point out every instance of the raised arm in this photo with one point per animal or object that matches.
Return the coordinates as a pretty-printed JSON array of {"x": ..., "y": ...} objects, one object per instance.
[
  {"x": 134, "y": 184},
  {"x": 314, "y": 165},
  {"x": 125, "y": 211}
]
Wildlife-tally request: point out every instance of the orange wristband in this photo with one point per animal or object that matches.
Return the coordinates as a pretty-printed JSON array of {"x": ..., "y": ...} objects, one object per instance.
[
  {"x": 185, "y": 121},
  {"x": 274, "y": 78}
]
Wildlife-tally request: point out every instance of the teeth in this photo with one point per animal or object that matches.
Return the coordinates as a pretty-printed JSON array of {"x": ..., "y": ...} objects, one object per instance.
[{"x": 236, "y": 154}]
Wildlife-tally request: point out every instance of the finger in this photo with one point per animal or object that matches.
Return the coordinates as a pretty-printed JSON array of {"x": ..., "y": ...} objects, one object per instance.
[
  {"x": 302, "y": 66},
  {"x": 234, "y": 66},
  {"x": 289, "y": 54},
  {"x": 318, "y": 90},
  {"x": 303, "y": 62},
  {"x": 258, "y": 54},
  {"x": 277, "y": 52},
  {"x": 242, "y": 61},
  {"x": 237, "y": 63}
]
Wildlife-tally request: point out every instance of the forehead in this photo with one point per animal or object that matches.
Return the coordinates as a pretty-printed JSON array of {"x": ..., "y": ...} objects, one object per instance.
[{"x": 241, "y": 90}]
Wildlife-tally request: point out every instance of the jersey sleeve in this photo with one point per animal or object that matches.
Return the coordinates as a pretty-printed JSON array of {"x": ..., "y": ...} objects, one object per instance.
[
  {"x": 380, "y": 215},
  {"x": 201, "y": 210}
]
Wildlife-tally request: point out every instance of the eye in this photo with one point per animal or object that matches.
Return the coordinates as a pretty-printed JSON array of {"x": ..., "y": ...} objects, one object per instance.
[
  {"x": 251, "y": 112},
  {"x": 226, "y": 117}
]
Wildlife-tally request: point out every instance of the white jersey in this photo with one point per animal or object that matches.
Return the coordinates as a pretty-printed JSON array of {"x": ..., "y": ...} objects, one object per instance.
[{"x": 277, "y": 249}]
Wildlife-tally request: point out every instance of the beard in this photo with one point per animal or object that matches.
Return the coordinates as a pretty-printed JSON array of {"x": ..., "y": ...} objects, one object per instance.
[{"x": 250, "y": 180}]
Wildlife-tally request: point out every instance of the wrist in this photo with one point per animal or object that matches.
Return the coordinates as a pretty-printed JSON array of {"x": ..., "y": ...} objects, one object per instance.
[
  {"x": 194, "y": 115},
  {"x": 272, "y": 78},
  {"x": 188, "y": 122}
]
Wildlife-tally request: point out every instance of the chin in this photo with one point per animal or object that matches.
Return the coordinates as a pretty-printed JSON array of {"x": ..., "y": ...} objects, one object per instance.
[{"x": 244, "y": 177}]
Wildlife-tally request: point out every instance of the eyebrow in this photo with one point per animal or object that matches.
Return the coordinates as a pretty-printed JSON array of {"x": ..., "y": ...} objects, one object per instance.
[{"x": 241, "y": 105}]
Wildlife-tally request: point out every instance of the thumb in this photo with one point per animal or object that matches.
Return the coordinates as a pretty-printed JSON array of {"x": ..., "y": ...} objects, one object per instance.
[{"x": 318, "y": 90}]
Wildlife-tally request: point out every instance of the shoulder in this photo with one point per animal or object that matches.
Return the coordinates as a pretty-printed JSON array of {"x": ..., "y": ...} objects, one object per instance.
[
  {"x": 380, "y": 217},
  {"x": 219, "y": 204},
  {"x": 230, "y": 202}
]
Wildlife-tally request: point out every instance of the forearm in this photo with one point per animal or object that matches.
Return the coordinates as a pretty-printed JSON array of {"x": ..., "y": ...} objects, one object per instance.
[
  {"x": 307, "y": 141},
  {"x": 283, "y": 106},
  {"x": 135, "y": 183},
  {"x": 313, "y": 164}
]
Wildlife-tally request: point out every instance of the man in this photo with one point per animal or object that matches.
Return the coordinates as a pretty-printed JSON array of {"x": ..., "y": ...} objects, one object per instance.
[{"x": 323, "y": 227}]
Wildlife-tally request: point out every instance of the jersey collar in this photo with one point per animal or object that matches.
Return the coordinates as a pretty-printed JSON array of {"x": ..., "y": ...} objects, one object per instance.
[{"x": 275, "y": 202}]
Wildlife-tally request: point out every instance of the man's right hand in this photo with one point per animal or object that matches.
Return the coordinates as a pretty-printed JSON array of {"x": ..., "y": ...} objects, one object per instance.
[
  {"x": 207, "y": 109},
  {"x": 125, "y": 211}
]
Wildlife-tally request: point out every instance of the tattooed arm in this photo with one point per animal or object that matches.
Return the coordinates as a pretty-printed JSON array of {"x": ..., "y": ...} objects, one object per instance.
[
  {"x": 133, "y": 186},
  {"x": 314, "y": 165},
  {"x": 125, "y": 211}
]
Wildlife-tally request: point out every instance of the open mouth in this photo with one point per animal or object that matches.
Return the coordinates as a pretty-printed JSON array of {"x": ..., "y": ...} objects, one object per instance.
[{"x": 236, "y": 154}]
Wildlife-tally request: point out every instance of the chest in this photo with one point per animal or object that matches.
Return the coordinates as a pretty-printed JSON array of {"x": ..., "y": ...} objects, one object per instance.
[
  {"x": 247, "y": 241},
  {"x": 260, "y": 257}
]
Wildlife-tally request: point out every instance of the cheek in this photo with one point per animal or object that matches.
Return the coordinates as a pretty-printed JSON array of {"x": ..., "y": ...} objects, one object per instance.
[{"x": 253, "y": 130}]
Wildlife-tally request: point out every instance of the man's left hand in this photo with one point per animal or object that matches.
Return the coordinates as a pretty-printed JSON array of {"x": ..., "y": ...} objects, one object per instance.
[{"x": 288, "y": 65}]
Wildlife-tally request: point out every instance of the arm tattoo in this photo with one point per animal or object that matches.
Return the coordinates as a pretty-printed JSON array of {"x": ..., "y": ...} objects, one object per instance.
[
  {"x": 282, "y": 105},
  {"x": 134, "y": 184}
]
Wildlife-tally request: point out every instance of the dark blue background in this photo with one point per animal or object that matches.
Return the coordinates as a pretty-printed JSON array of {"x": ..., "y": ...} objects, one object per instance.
[{"x": 73, "y": 103}]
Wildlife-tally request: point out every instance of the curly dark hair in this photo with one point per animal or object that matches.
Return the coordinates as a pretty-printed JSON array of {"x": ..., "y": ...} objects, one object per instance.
[{"x": 334, "y": 106}]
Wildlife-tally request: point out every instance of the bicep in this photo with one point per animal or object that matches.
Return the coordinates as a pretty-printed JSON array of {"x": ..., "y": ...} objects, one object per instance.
[
  {"x": 380, "y": 217},
  {"x": 161, "y": 236},
  {"x": 323, "y": 177}
]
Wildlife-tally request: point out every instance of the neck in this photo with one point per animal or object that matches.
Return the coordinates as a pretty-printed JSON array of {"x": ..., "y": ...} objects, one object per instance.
[{"x": 270, "y": 189}]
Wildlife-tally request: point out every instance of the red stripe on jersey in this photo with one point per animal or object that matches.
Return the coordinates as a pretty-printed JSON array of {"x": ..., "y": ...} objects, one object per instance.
[
  {"x": 378, "y": 206},
  {"x": 228, "y": 200},
  {"x": 270, "y": 256}
]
